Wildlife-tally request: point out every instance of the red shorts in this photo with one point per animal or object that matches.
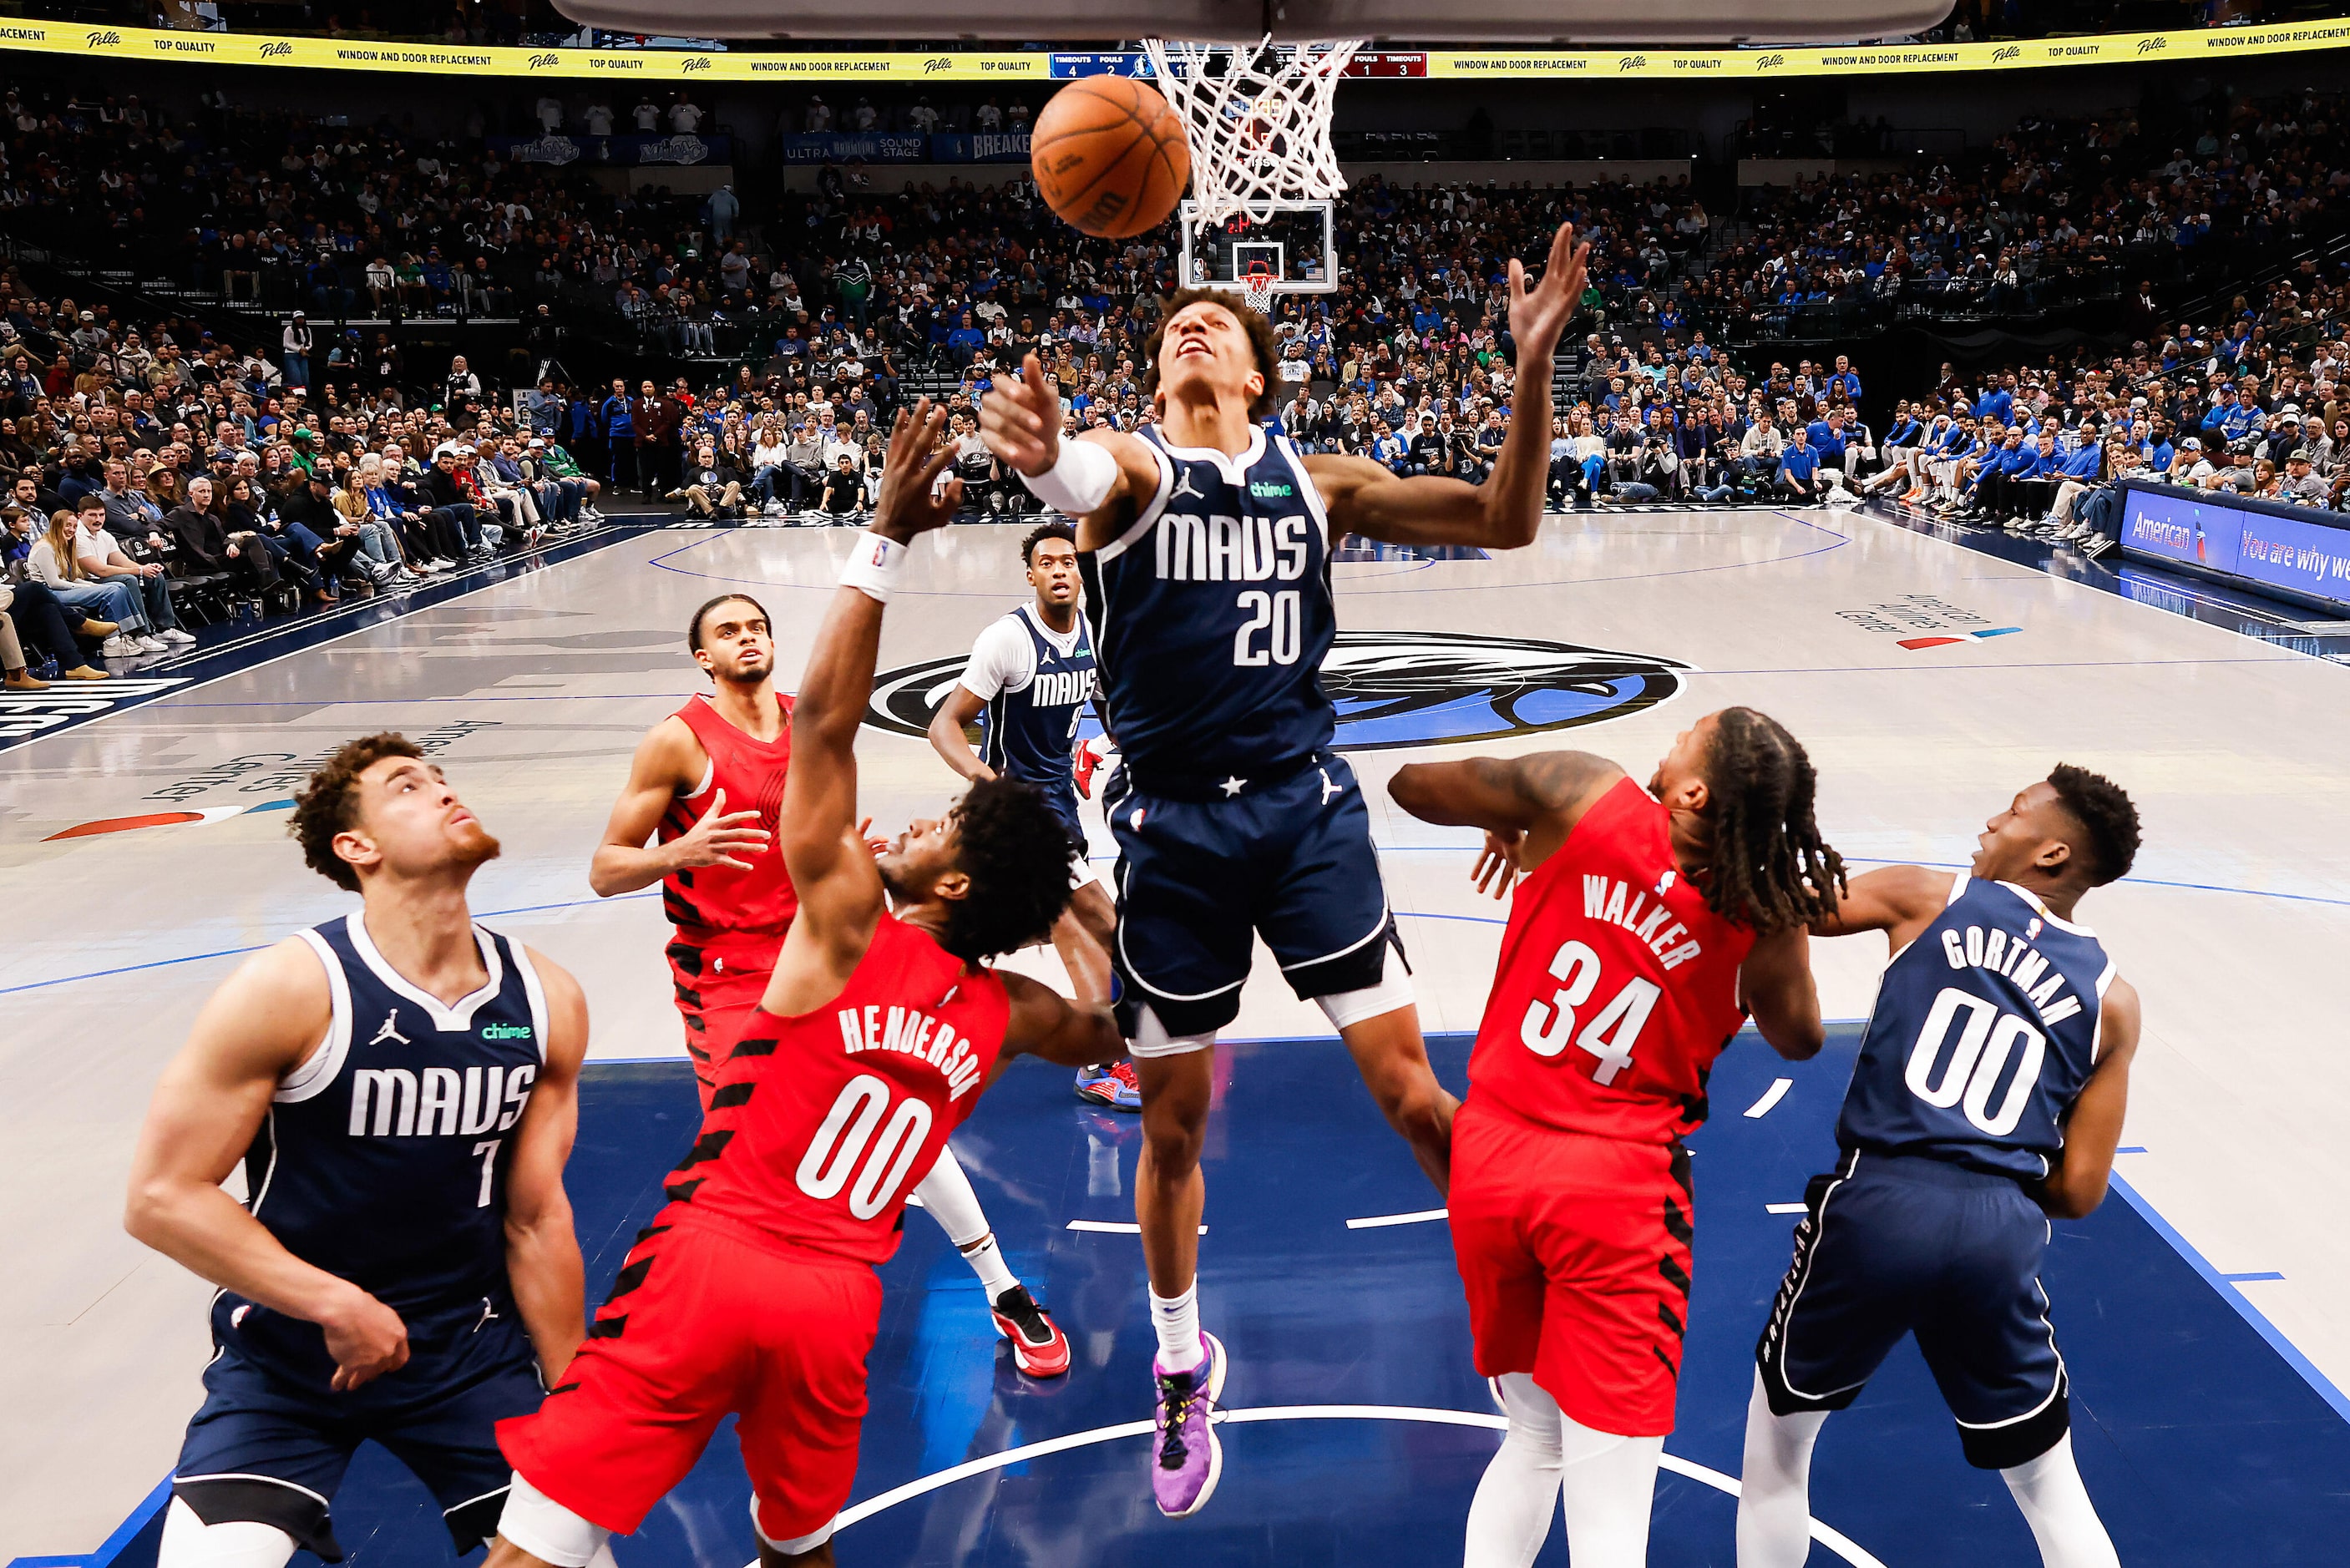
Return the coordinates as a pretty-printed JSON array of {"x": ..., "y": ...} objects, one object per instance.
[
  {"x": 719, "y": 979},
  {"x": 1576, "y": 1254},
  {"x": 715, "y": 1323}
]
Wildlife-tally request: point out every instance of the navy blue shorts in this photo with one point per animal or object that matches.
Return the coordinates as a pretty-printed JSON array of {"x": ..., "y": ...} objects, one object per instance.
[
  {"x": 273, "y": 1439},
  {"x": 1290, "y": 861},
  {"x": 1893, "y": 1245}
]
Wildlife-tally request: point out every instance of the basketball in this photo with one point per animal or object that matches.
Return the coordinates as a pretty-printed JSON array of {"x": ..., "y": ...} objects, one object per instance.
[{"x": 1109, "y": 156}]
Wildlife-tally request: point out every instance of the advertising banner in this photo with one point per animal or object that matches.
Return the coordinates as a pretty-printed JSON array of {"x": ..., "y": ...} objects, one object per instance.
[{"x": 2293, "y": 547}]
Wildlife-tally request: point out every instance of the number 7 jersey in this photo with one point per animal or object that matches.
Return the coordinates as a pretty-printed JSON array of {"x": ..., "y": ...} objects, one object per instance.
[{"x": 1616, "y": 987}]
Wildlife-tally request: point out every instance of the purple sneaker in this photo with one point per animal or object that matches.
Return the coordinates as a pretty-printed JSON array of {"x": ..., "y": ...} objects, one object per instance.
[{"x": 1185, "y": 1458}]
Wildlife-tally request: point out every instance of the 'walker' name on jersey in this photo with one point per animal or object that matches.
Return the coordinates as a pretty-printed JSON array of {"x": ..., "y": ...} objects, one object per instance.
[
  {"x": 916, "y": 1034},
  {"x": 1606, "y": 899},
  {"x": 1211, "y": 615}
]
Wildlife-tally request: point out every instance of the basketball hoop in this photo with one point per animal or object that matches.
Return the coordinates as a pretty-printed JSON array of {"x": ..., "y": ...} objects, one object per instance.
[
  {"x": 1256, "y": 286},
  {"x": 1258, "y": 119}
]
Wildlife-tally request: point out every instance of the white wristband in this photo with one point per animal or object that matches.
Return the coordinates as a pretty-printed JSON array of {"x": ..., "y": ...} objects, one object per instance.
[
  {"x": 1079, "y": 483},
  {"x": 874, "y": 567}
]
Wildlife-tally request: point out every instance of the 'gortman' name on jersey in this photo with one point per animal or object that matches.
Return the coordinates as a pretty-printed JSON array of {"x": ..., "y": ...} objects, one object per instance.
[
  {"x": 2014, "y": 960},
  {"x": 916, "y": 1034}
]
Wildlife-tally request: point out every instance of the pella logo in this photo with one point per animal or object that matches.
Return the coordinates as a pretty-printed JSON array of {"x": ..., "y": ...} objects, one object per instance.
[
  {"x": 2004, "y": 52},
  {"x": 1633, "y": 62},
  {"x": 935, "y": 64},
  {"x": 1769, "y": 62},
  {"x": 547, "y": 61},
  {"x": 2153, "y": 45},
  {"x": 102, "y": 38},
  {"x": 278, "y": 50},
  {"x": 698, "y": 63}
]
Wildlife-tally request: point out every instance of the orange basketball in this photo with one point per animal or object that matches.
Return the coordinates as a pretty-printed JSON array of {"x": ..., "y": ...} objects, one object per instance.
[{"x": 1109, "y": 156}]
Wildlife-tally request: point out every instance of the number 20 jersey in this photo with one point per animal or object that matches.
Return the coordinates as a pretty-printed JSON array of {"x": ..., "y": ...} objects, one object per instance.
[
  {"x": 1212, "y": 614},
  {"x": 820, "y": 1125},
  {"x": 1616, "y": 987},
  {"x": 1984, "y": 1031}
]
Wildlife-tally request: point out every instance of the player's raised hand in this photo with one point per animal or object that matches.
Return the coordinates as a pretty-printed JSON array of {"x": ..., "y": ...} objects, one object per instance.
[
  {"x": 913, "y": 501},
  {"x": 719, "y": 837},
  {"x": 1497, "y": 863},
  {"x": 1540, "y": 313},
  {"x": 1019, "y": 420},
  {"x": 367, "y": 1340}
]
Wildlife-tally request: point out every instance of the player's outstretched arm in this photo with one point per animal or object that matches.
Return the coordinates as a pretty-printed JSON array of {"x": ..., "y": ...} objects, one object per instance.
[
  {"x": 1097, "y": 479},
  {"x": 1505, "y": 512},
  {"x": 831, "y": 863},
  {"x": 542, "y": 1245},
  {"x": 2094, "y": 1130},
  {"x": 961, "y": 707},
  {"x": 1527, "y": 806},
  {"x": 1045, "y": 1024},
  {"x": 261, "y": 1024},
  {"x": 1775, "y": 986},
  {"x": 668, "y": 760},
  {"x": 1900, "y": 900}
]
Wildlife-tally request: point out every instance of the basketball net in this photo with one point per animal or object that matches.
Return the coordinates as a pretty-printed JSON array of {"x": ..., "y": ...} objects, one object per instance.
[
  {"x": 1256, "y": 284},
  {"x": 1259, "y": 126}
]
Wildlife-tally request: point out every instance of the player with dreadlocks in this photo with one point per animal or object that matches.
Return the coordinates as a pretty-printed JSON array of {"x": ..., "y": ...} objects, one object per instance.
[{"x": 1651, "y": 923}]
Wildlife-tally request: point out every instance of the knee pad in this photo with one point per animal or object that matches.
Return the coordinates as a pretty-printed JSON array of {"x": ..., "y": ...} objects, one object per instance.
[
  {"x": 1150, "y": 1037},
  {"x": 190, "y": 1543},
  {"x": 548, "y": 1530},
  {"x": 1389, "y": 993},
  {"x": 797, "y": 1545}
]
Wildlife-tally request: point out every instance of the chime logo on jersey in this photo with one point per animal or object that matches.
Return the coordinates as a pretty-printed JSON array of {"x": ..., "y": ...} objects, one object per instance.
[{"x": 1404, "y": 687}]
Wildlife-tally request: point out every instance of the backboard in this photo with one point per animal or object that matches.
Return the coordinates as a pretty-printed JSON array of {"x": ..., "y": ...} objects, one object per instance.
[
  {"x": 1566, "y": 23},
  {"x": 1297, "y": 245}
]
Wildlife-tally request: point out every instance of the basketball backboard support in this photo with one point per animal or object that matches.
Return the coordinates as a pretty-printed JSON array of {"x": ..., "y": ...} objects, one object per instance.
[
  {"x": 1298, "y": 244},
  {"x": 1564, "y": 23}
]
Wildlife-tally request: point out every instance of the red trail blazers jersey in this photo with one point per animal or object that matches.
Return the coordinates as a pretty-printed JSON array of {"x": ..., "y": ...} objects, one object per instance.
[
  {"x": 821, "y": 1124},
  {"x": 709, "y": 900},
  {"x": 1616, "y": 987}
]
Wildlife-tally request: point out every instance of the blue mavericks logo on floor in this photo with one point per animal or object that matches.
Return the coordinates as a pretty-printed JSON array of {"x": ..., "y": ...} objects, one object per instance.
[{"x": 1403, "y": 688}]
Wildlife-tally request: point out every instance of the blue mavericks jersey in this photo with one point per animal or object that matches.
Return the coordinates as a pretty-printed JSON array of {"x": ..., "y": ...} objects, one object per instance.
[
  {"x": 383, "y": 1156},
  {"x": 1211, "y": 615},
  {"x": 1032, "y": 732},
  {"x": 1984, "y": 1031}
]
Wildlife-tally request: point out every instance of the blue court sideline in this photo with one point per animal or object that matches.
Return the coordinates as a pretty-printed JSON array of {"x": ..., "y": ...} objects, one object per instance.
[{"x": 2199, "y": 1441}]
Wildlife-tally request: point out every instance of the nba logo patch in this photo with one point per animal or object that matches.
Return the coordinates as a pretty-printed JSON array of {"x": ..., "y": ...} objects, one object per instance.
[
  {"x": 2032, "y": 929},
  {"x": 1135, "y": 820}
]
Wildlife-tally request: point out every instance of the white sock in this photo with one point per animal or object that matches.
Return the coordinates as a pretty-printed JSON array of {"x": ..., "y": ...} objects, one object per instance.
[
  {"x": 190, "y": 1543},
  {"x": 1177, "y": 1321},
  {"x": 946, "y": 1193},
  {"x": 1510, "y": 1517},
  {"x": 1775, "y": 1490},
  {"x": 1608, "y": 1489},
  {"x": 2057, "y": 1505}
]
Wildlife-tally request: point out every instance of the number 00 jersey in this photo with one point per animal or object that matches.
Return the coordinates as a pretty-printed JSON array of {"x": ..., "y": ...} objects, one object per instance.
[
  {"x": 1984, "y": 1031},
  {"x": 822, "y": 1124},
  {"x": 1211, "y": 615},
  {"x": 1616, "y": 989}
]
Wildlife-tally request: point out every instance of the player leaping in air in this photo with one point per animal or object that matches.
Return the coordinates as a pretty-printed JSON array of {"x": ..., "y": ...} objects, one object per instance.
[
  {"x": 1205, "y": 545},
  {"x": 754, "y": 1292}
]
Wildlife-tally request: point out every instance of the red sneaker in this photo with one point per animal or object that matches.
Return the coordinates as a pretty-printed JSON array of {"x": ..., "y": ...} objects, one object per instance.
[{"x": 1039, "y": 1348}]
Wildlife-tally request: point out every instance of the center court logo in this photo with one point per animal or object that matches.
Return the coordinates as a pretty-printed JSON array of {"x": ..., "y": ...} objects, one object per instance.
[{"x": 1404, "y": 687}]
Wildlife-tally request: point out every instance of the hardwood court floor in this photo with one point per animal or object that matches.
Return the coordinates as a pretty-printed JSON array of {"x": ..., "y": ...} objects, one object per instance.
[{"x": 533, "y": 692}]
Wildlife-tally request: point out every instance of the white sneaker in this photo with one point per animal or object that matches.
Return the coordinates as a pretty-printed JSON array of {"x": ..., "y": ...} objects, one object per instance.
[
  {"x": 153, "y": 645},
  {"x": 173, "y": 634},
  {"x": 119, "y": 647},
  {"x": 437, "y": 564}
]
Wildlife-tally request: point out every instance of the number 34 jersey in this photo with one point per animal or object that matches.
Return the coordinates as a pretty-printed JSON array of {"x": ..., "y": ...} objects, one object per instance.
[
  {"x": 1617, "y": 988},
  {"x": 1984, "y": 1031},
  {"x": 821, "y": 1124},
  {"x": 1211, "y": 615}
]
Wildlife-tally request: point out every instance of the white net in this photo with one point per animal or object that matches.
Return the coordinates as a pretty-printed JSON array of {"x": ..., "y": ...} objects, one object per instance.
[{"x": 1257, "y": 118}]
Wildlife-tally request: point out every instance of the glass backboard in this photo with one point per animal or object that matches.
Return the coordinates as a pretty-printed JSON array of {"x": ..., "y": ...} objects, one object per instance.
[{"x": 1296, "y": 248}]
